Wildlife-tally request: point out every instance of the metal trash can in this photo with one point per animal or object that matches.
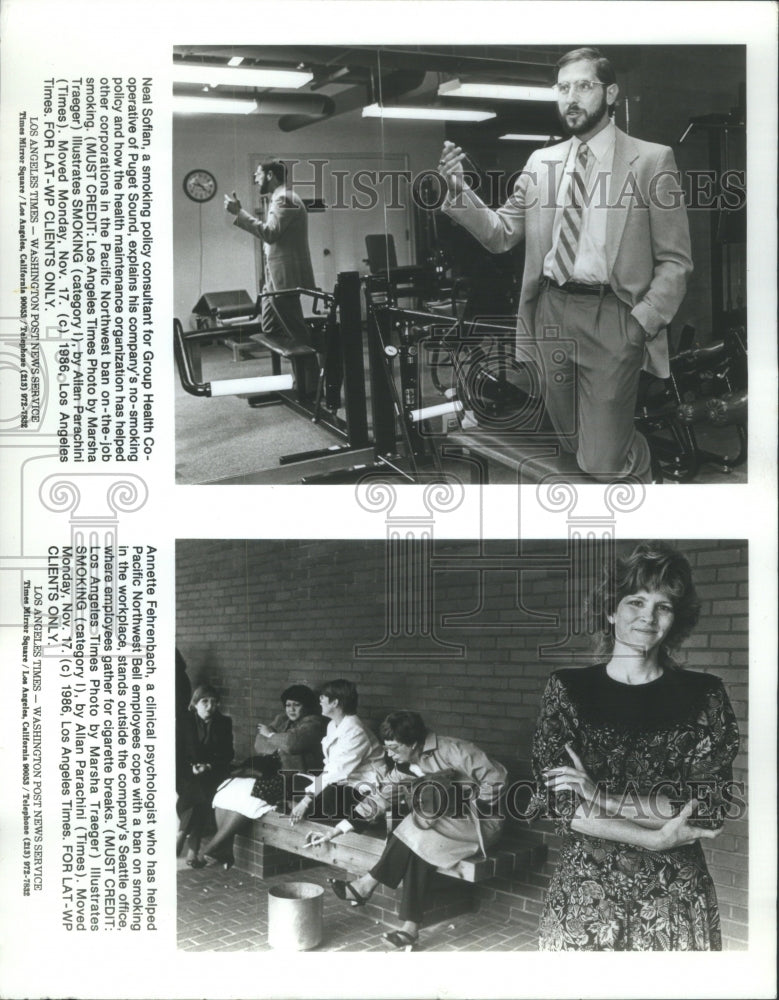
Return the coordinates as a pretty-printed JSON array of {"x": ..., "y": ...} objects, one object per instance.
[{"x": 295, "y": 916}]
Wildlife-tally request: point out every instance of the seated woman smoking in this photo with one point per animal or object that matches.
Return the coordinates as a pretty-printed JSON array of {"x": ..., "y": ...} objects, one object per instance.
[
  {"x": 454, "y": 827},
  {"x": 352, "y": 758}
]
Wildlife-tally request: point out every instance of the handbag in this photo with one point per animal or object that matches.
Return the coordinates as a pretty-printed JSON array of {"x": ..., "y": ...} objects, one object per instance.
[
  {"x": 444, "y": 793},
  {"x": 268, "y": 783},
  {"x": 270, "y": 789}
]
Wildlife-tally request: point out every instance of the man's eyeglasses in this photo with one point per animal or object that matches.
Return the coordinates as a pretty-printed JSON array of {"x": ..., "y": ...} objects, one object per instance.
[{"x": 579, "y": 86}]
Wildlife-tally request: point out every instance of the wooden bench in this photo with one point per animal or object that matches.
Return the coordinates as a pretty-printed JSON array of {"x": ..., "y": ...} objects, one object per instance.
[
  {"x": 275, "y": 847},
  {"x": 358, "y": 852}
]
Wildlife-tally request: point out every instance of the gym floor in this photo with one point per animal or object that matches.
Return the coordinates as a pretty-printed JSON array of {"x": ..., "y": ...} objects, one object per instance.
[{"x": 223, "y": 440}]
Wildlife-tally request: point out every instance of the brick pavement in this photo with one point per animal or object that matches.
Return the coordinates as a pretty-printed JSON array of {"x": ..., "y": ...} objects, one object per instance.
[{"x": 228, "y": 911}]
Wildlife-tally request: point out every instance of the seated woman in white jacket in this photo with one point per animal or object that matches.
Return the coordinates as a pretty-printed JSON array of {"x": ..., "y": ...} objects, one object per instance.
[
  {"x": 352, "y": 758},
  {"x": 457, "y": 826}
]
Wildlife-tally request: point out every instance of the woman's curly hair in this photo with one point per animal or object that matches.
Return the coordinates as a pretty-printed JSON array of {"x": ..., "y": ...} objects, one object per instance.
[{"x": 651, "y": 566}]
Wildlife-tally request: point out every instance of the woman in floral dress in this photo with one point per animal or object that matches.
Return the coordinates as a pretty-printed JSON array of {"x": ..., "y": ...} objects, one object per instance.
[{"x": 632, "y": 758}]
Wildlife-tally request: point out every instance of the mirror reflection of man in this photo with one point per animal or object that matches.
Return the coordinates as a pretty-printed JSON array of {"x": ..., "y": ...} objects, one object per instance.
[
  {"x": 287, "y": 264},
  {"x": 607, "y": 275}
]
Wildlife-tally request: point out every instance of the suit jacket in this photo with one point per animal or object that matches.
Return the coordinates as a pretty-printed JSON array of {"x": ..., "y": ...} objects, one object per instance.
[
  {"x": 288, "y": 258},
  {"x": 352, "y": 755},
  {"x": 647, "y": 234}
]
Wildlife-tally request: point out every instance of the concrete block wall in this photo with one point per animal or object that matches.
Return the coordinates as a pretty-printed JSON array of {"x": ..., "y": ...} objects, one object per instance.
[
  {"x": 253, "y": 617},
  {"x": 661, "y": 88},
  {"x": 670, "y": 86}
]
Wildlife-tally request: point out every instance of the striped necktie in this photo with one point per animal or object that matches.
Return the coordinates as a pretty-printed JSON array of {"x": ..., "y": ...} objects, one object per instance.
[{"x": 571, "y": 225}]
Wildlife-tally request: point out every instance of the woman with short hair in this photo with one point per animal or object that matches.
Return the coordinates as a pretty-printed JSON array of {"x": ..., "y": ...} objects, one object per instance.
[
  {"x": 204, "y": 752},
  {"x": 295, "y": 734},
  {"x": 352, "y": 757},
  {"x": 291, "y": 743},
  {"x": 621, "y": 751},
  {"x": 453, "y": 826}
]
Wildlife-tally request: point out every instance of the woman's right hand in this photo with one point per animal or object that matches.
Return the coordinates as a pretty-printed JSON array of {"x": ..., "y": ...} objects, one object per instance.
[
  {"x": 299, "y": 811},
  {"x": 678, "y": 832},
  {"x": 318, "y": 839},
  {"x": 572, "y": 778}
]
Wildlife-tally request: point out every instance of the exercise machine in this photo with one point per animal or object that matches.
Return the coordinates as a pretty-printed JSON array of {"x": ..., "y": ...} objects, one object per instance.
[
  {"x": 414, "y": 354},
  {"x": 707, "y": 386},
  {"x": 336, "y": 344}
]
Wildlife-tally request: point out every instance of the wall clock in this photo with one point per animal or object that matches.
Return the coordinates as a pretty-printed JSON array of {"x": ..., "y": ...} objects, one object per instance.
[{"x": 200, "y": 185}]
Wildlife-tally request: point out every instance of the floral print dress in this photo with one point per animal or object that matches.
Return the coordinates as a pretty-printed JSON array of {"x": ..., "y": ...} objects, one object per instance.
[{"x": 678, "y": 730}]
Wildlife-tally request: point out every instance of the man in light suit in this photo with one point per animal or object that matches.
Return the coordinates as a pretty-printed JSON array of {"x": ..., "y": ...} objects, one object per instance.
[
  {"x": 287, "y": 264},
  {"x": 607, "y": 260}
]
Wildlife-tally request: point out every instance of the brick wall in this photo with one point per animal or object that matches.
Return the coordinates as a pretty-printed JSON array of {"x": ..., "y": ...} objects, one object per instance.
[{"x": 253, "y": 617}]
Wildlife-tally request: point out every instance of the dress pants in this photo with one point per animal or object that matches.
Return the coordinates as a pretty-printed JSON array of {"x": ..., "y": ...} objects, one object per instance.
[
  {"x": 397, "y": 864},
  {"x": 282, "y": 318},
  {"x": 591, "y": 350}
]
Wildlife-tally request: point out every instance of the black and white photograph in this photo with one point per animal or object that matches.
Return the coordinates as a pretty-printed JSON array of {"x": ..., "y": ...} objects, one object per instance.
[
  {"x": 577, "y": 713},
  {"x": 390, "y": 239},
  {"x": 468, "y": 689}
]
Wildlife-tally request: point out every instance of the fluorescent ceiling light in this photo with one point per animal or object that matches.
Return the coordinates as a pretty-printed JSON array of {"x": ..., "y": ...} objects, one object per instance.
[
  {"x": 196, "y": 105},
  {"x": 427, "y": 114},
  {"x": 496, "y": 91},
  {"x": 215, "y": 76},
  {"x": 522, "y": 137}
]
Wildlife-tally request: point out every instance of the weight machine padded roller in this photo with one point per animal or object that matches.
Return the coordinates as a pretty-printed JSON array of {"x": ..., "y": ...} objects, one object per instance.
[
  {"x": 439, "y": 410},
  {"x": 251, "y": 386}
]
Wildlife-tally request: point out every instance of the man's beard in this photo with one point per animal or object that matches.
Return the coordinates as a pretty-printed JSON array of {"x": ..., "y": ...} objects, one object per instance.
[
  {"x": 587, "y": 119},
  {"x": 265, "y": 186}
]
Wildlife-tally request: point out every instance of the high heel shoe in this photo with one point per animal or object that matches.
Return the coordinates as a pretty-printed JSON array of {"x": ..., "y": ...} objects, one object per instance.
[{"x": 344, "y": 890}]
